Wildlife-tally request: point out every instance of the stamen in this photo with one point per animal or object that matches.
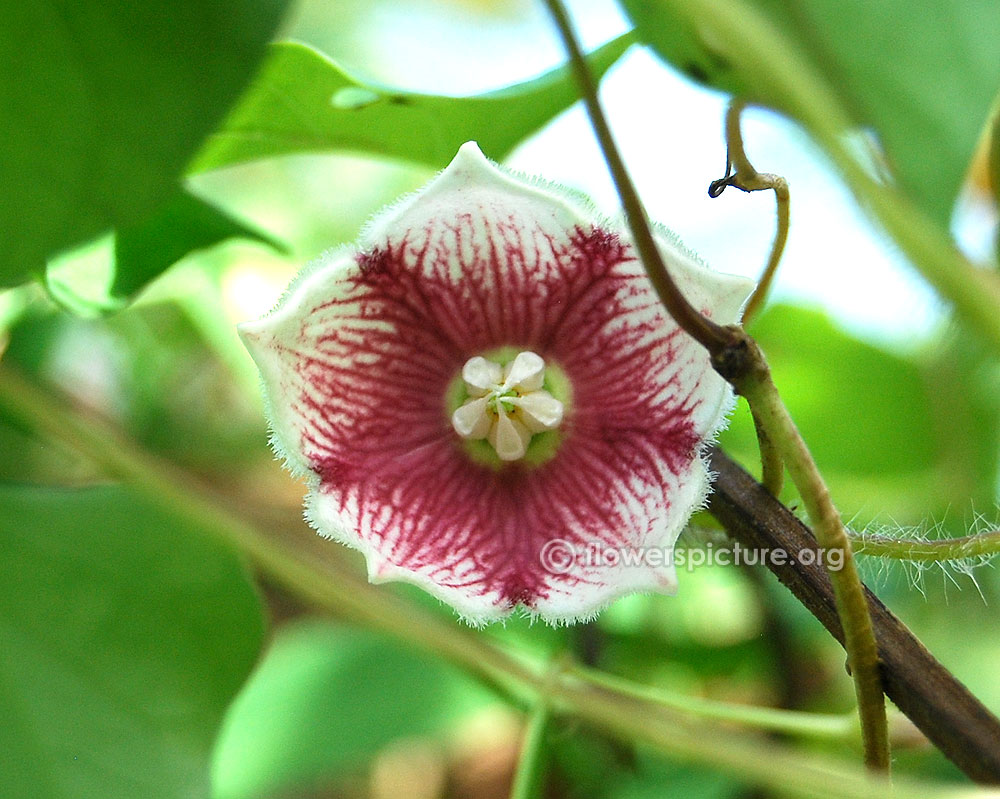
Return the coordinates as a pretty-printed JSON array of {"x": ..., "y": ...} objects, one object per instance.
[{"x": 506, "y": 405}]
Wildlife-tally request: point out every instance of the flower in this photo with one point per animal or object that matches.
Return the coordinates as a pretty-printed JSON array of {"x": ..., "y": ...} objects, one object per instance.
[{"x": 486, "y": 389}]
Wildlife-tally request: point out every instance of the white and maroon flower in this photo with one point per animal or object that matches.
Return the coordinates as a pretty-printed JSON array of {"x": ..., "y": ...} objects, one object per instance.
[{"x": 488, "y": 372}]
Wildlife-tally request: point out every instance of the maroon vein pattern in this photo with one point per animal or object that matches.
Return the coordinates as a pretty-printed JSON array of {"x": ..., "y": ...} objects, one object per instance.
[{"x": 358, "y": 359}]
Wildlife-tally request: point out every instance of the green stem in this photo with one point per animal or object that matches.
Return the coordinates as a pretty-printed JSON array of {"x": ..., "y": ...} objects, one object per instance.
[
  {"x": 757, "y": 48},
  {"x": 746, "y": 178},
  {"x": 324, "y": 584},
  {"x": 832, "y": 727},
  {"x": 852, "y": 606},
  {"x": 772, "y": 467},
  {"x": 983, "y": 545},
  {"x": 531, "y": 763}
]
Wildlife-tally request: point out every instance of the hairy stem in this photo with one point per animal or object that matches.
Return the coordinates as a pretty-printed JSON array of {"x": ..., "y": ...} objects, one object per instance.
[
  {"x": 983, "y": 545},
  {"x": 772, "y": 467}
]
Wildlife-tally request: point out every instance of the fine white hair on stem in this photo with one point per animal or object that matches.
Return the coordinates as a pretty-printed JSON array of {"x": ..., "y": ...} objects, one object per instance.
[{"x": 890, "y": 551}]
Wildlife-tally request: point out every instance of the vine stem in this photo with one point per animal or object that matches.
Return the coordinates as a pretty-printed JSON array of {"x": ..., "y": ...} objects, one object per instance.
[
  {"x": 531, "y": 763},
  {"x": 737, "y": 358},
  {"x": 852, "y": 605},
  {"x": 581, "y": 693},
  {"x": 981, "y": 545},
  {"x": 772, "y": 466},
  {"x": 746, "y": 178},
  {"x": 741, "y": 174},
  {"x": 821, "y": 726},
  {"x": 931, "y": 697}
]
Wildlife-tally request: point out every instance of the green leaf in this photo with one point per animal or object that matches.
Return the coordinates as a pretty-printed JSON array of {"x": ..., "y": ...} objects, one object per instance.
[
  {"x": 184, "y": 224},
  {"x": 994, "y": 157},
  {"x": 653, "y": 779},
  {"x": 322, "y": 702},
  {"x": 102, "y": 276},
  {"x": 994, "y": 168},
  {"x": 963, "y": 380},
  {"x": 124, "y": 638},
  {"x": 304, "y": 102},
  {"x": 103, "y": 105},
  {"x": 921, "y": 73}
]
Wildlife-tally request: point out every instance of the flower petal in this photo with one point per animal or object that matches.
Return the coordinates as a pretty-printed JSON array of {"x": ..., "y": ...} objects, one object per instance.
[
  {"x": 359, "y": 355},
  {"x": 471, "y": 420},
  {"x": 481, "y": 375},
  {"x": 539, "y": 411},
  {"x": 526, "y": 372},
  {"x": 508, "y": 436}
]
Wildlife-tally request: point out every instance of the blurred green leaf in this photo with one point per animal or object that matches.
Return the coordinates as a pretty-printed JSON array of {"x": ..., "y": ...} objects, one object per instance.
[
  {"x": 124, "y": 638},
  {"x": 104, "y": 104},
  {"x": 304, "y": 102},
  {"x": 323, "y": 701},
  {"x": 921, "y": 73},
  {"x": 994, "y": 156},
  {"x": 184, "y": 224},
  {"x": 585, "y": 763},
  {"x": 861, "y": 409},
  {"x": 994, "y": 170},
  {"x": 589, "y": 765},
  {"x": 963, "y": 379},
  {"x": 152, "y": 371},
  {"x": 654, "y": 779},
  {"x": 865, "y": 413}
]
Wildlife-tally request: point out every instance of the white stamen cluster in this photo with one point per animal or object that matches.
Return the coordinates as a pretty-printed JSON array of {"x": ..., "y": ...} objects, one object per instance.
[{"x": 507, "y": 404}]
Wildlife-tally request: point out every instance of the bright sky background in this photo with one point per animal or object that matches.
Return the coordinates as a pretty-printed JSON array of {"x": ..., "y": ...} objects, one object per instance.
[{"x": 670, "y": 132}]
